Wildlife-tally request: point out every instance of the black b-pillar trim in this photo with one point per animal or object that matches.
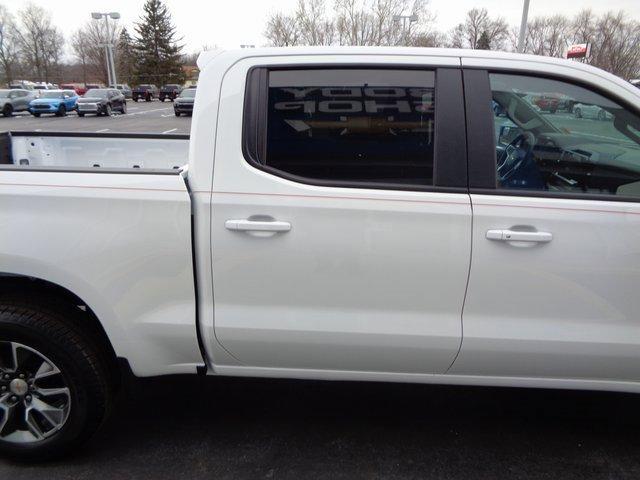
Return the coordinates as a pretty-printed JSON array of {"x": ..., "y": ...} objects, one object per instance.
[
  {"x": 481, "y": 142},
  {"x": 450, "y": 169}
]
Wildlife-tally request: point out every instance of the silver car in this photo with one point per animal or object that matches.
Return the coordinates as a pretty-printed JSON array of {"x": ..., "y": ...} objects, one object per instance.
[
  {"x": 583, "y": 110},
  {"x": 15, "y": 100}
]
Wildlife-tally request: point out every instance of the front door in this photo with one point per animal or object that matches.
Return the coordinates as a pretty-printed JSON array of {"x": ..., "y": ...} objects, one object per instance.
[
  {"x": 334, "y": 246},
  {"x": 553, "y": 291}
]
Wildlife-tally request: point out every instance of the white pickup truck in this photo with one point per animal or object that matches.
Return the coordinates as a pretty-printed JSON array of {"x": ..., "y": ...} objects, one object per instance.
[{"x": 406, "y": 215}]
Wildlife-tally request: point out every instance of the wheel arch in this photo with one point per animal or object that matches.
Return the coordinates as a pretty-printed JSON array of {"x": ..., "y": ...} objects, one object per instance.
[{"x": 48, "y": 292}]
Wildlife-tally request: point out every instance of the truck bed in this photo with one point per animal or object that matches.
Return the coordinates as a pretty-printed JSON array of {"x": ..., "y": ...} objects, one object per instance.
[
  {"x": 108, "y": 218},
  {"x": 93, "y": 151}
]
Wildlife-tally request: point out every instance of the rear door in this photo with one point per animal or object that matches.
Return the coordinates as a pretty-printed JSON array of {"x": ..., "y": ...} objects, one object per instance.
[
  {"x": 340, "y": 222},
  {"x": 553, "y": 290}
]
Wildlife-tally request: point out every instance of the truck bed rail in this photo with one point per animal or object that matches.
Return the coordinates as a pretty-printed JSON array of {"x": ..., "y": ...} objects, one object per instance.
[{"x": 98, "y": 152}]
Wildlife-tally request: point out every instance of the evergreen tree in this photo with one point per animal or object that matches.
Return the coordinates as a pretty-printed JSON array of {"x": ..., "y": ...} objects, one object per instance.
[
  {"x": 484, "y": 42},
  {"x": 126, "y": 58},
  {"x": 157, "y": 50}
]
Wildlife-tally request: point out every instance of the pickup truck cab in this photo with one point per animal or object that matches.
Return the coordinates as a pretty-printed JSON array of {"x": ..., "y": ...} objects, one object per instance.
[
  {"x": 146, "y": 92},
  {"x": 169, "y": 92},
  {"x": 337, "y": 214}
]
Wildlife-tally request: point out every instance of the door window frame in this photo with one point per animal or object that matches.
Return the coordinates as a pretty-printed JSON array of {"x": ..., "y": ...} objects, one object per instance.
[
  {"x": 450, "y": 154},
  {"x": 481, "y": 144}
]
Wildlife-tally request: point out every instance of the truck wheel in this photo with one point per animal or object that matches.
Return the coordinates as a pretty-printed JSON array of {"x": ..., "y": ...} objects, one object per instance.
[
  {"x": 7, "y": 111},
  {"x": 177, "y": 113},
  {"x": 54, "y": 388}
]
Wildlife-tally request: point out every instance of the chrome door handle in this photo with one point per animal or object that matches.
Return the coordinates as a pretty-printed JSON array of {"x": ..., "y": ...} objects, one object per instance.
[
  {"x": 245, "y": 225},
  {"x": 519, "y": 236}
]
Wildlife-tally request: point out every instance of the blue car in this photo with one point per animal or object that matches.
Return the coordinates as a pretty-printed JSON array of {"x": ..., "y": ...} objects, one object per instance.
[{"x": 58, "y": 102}]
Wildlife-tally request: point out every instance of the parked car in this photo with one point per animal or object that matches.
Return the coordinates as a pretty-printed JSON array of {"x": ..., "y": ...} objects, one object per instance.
[
  {"x": 146, "y": 92},
  {"x": 169, "y": 91},
  {"x": 184, "y": 102},
  {"x": 80, "y": 90},
  {"x": 315, "y": 226},
  {"x": 58, "y": 102},
  {"x": 547, "y": 103},
  {"x": 102, "y": 101},
  {"x": 15, "y": 100},
  {"x": 583, "y": 110},
  {"x": 124, "y": 88}
]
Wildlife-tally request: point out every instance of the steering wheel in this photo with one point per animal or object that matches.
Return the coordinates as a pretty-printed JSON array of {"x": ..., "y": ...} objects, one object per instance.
[{"x": 515, "y": 156}]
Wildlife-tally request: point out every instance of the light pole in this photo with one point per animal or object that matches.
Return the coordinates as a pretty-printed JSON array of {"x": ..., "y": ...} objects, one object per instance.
[
  {"x": 108, "y": 46},
  {"x": 407, "y": 20},
  {"x": 523, "y": 26}
]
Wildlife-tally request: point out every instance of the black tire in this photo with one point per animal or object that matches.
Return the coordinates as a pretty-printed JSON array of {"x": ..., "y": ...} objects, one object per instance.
[
  {"x": 37, "y": 115},
  {"x": 148, "y": 98},
  {"x": 123, "y": 109},
  {"x": 162, "y": 99},
  {"x": 62, "y": 111},
  {"x": 7, "y": 111},
  {"x": 107, "y": 110},
  {"x": 80, "y": 114},
  {"x": 52, "y": 330},
  {"x": 177, "y": 113},
  {"x": 135, "y": 99},
  {"x": 578, "y": 113}
]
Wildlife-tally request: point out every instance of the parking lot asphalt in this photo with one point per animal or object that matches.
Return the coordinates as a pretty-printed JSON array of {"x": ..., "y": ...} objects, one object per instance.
[
  {"x": 224, "y": 428},
  {"x": 141, "y": 117}
]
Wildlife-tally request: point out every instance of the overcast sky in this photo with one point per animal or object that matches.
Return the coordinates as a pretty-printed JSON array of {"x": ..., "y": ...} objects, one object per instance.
[{"x": 229, "y": 23}]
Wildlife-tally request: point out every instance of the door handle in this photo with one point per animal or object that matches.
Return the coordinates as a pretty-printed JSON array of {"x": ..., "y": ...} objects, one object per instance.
[
  {"x": 245, "y": 225},
  {"x": 519, "y": 236}
]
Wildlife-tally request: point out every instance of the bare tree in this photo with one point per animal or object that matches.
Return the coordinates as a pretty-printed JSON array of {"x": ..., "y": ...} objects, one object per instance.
[
  {"x": 282, "y": 31},
  {"x": 616, "y": 45},
  {"x": 8, "y": 46},
  {"x": 39, "y": 41},
  {"x": 314, "y": 27},
  {"x": 355, "y": 22},
  {"x": 477, "y": 24},
  {"x": 548, "y": 36},
  {"x": 87, "y": 44},
  {"x": 583, "y": 27},
  {"x": 81, "y": 49}
]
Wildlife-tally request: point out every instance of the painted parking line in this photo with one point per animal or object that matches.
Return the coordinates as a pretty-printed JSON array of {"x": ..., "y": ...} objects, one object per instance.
[
  {"x": 103, "y": 130},
  {"x": 169, "y": 131},
  {"x": 148, "y": 111}
]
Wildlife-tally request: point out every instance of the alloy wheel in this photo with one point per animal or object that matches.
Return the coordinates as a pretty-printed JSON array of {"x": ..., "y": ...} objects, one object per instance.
[{"x": 35, "y": 399}]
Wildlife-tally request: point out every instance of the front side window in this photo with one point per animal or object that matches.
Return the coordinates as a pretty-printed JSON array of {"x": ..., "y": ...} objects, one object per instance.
[
  {"x": 559, "y": 137},
  {"x": 351, "y": 125}
]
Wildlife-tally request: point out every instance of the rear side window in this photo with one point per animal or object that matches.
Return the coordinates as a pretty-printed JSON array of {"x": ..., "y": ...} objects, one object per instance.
[{"x": 351, "y": 125}]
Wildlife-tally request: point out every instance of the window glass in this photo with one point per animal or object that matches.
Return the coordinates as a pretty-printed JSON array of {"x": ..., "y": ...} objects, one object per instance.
[
  {"x": 559, "y": 137},
  {"x": 358, "y": 125}
]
